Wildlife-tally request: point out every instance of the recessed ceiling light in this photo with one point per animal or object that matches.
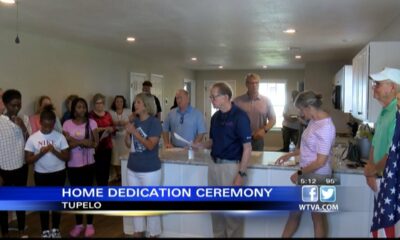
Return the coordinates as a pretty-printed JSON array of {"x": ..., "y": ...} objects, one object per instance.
[
  {"x": 298, "y": 56},
  {"x": 265, "y": 66},
  {"x": 294, "y": 48},
  {"x": 130, "y": 39},
  {"x": 8, "y": 1},
  {"x": 221, "y": 67},
  {"x": 290, "y": 31},
  {"x": 194, "y": 58}
]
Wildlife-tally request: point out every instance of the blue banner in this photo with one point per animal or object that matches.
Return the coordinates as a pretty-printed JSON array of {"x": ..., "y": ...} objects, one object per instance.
[
  {"x": 159, "y": 193},
  {"x": 160, "y": 198}
]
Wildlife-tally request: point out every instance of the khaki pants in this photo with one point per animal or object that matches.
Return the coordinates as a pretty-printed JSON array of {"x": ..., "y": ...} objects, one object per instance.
[{"x": 225, "y": 225}]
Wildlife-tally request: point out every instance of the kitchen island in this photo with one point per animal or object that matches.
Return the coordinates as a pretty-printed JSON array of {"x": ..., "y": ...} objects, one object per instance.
[{"x": 354, "y": 198}]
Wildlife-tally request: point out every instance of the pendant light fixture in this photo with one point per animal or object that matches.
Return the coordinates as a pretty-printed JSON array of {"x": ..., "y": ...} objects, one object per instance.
[{"x": 17, "y": 41}]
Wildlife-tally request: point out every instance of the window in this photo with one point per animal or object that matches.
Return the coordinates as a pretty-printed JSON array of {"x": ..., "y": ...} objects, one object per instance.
[{"x": 276, "y": 92}]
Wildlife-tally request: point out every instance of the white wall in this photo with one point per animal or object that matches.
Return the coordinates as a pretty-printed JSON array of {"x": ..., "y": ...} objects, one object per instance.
[
  {"x": 55, "y": 67},
  {"x": 390, "y": 33}
]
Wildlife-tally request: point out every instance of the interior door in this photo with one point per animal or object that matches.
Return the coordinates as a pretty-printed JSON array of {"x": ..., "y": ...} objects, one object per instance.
[
  {"x": 136, "y": 85},
  {"x": 157, "y": 90}
]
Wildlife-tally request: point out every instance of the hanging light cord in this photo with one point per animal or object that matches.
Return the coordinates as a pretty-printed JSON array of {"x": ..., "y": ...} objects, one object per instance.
[{"x": 17, "y": 41}]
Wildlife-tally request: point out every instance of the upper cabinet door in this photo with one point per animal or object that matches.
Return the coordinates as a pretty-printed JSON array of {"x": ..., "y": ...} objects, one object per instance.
[
  {"x": 360, "y": 80},
  {"x": 373, "y": 58}
]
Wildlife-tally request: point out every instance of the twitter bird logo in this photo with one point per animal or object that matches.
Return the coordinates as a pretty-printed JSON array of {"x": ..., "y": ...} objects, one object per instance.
[{"x": 327, "y": 193}]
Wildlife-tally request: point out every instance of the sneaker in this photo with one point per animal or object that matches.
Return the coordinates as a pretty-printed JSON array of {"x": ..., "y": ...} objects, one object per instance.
[
  {"x": 76, "y": 231},
  {"x": 55, "y": 233},
  {"x": 89, "y": 232},
  {"x": 23, "y": 234},
  {"x": 46, "y": 234}
]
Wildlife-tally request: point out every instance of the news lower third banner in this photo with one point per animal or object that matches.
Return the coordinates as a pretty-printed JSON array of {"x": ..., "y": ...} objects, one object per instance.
[{"x": 160, "y": 198}]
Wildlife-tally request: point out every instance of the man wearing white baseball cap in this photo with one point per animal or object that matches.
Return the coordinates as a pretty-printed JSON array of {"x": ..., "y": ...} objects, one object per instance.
[
  {"x": 385, "y": 86},
  {"x": 391, "y": 74}
]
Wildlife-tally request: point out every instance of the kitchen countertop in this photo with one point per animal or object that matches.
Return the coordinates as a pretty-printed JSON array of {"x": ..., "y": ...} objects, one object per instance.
[{"x": 258, "y": 160}]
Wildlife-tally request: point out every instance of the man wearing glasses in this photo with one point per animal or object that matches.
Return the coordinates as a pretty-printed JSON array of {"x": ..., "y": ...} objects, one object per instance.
[
  {"x": 259, "y": 109},
  {"x": 230, "y": 143},
  {"x": 385, "y": 86},
  {"x": 186, "y": 121}
]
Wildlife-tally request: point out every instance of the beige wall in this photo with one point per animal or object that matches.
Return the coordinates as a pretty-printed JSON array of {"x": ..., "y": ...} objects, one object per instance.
[
  {"x": 319, "y": 78},
  {"x": 42, "y": 65},
  {"x": 390, "y": 33},
  {"x": 273, "y": 139}
]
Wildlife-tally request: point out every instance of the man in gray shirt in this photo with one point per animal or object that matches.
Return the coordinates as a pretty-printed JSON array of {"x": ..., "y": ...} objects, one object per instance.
[{"x": 259, "y": 109}]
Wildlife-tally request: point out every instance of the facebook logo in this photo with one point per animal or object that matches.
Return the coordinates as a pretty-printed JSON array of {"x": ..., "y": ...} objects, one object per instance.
[
  {"x": 327, "y": 194},
  {"x": 309, "y": 193}
]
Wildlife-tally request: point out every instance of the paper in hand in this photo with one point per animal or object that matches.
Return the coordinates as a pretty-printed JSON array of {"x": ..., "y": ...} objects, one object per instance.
[
  {"x": 132, "y": 145},
  {"x": 178, "y": 137},
  {"x": 104, "y": 135}
]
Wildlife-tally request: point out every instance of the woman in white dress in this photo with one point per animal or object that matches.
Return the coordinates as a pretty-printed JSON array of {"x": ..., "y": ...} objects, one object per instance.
[{"x": 120, "y": 116}]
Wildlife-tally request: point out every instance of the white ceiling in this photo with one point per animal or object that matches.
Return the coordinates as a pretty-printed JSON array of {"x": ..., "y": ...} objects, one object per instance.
[{"x": 238, "y": 34}]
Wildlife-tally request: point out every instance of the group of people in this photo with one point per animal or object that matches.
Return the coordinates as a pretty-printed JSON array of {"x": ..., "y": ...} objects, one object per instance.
[
  {"x": 315, "y": 153},
  {"x": 80, "y": 149},
  {"x": 84, "y": 147}
]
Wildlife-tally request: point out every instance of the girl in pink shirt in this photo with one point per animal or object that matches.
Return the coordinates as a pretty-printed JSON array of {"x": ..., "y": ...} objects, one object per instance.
[{"x": 82, "y": 137}]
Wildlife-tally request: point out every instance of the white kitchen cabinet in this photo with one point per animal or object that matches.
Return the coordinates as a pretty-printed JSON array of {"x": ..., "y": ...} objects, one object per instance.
[{"x": 372, "y": 58}]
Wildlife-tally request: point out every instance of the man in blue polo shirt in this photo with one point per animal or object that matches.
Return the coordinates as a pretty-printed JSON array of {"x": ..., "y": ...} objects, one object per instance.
[
  {"x": 184, "y": 120},
  {"x": 230, "y": 131}
]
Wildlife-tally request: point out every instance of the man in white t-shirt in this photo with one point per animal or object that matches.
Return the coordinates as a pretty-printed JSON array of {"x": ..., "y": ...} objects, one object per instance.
[{"x": 290, "y": 124}]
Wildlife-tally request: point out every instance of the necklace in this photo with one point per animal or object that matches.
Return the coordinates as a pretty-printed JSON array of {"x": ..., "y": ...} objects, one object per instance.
[{"x": 119, "y": 115}]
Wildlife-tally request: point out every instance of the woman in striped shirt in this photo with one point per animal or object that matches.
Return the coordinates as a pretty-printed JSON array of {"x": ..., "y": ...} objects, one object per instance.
[{"x": 315, "y": 155}]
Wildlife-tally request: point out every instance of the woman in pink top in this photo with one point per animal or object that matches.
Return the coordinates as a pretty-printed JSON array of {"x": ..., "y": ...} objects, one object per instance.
[
  {"x": 315, "y": 155},
  {"x": 81, "y": 134}
]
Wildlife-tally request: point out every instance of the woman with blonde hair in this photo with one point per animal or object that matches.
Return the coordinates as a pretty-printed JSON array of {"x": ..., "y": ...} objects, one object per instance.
[
  {"x": 315, "y": 155},
  {"x": 120, "y": 116},
  {"x": 34, "y": 120},
  {"x": 144, "y": 165}
]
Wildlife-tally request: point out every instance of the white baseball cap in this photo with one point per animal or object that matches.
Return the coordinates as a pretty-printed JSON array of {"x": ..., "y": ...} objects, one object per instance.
[{"x": 392, "y": 74}]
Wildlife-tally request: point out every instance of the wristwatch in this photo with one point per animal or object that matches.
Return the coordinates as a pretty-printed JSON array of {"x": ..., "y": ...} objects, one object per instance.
[
  {"x": 299, "y": 172},
  {"x": 242, "y": 174}
]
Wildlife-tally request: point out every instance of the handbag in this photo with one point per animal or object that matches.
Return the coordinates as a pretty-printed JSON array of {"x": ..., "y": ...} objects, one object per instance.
[{"x": 353, "y": 153}]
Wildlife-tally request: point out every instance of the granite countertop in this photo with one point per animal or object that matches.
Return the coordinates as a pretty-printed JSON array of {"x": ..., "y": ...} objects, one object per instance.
[{"x": 258, "y": 160}]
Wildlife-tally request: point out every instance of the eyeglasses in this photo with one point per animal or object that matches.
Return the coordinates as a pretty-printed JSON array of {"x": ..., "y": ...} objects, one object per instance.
[
  {"x": 181, "y": 120},
  {"x": 99, "y": 102},
  {"x": 377, "y": 84},
  {"x": 213, "y": 97}
]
